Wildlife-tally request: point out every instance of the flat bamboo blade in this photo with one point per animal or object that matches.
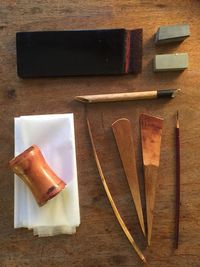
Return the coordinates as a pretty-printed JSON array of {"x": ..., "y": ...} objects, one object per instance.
[
  {"x": 124, "y": 139},
  {"x": 151, "y": 132}
]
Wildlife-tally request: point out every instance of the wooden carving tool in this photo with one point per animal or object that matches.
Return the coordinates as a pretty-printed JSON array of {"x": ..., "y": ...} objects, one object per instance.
[
  {"x": 151, "y": 131},
  {"x": 168, "y": 93},
  {"x": 115, "y": 210},
  {"x": 124, "y": 139}
]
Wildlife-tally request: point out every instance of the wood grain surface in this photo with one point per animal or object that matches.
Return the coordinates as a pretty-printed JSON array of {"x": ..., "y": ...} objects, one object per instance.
[{"x": 99, "y": 240}]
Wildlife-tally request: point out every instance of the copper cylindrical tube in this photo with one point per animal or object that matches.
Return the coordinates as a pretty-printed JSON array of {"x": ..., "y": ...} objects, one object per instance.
[{"x": 32, "y": 168}]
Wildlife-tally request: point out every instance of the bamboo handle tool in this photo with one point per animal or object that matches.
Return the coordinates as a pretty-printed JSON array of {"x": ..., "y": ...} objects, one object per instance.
[
  {"x": 151, "y": 131},
  {"x": 177, "y": 180},
  {"x": 168, "y": 93},
  {"x": 115, "y": 210},
  {"x": 124, "y": 139}
]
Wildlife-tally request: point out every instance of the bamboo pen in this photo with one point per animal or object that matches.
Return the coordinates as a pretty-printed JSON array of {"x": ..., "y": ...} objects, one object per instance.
[{"x": 168, "y": 93}]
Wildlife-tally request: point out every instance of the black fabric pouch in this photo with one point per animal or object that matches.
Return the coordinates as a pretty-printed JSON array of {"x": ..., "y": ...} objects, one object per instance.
[{"x": 79, "y": 52}]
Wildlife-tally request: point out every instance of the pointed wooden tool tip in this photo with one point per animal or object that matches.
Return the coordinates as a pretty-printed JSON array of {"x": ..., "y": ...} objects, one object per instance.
[
  {"x": 144, "y": 259},
  {"x": 82, "y": 99},
  {"x": 144, "y": 232}
]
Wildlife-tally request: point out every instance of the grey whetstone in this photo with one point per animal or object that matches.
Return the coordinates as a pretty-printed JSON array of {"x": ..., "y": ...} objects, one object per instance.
[
  {"x": 173, "y": 33},
  {"x": 170, "y": 62}
]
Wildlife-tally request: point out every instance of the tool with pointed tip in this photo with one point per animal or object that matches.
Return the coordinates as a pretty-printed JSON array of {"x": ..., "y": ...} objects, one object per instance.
[
  {"x": 167, "y": 93},
  {"x": 151, "y": 132},
  {"x": 124, "y": 139}
]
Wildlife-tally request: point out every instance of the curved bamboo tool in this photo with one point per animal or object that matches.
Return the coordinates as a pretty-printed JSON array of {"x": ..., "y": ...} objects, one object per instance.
[
  {"x": 151, "y": 131},
  {"x": 115, "y": 210},
  {"x": 124, "y": 139}
]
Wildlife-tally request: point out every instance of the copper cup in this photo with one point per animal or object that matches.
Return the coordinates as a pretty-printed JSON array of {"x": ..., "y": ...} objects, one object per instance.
[{"x": 32, "y": 168}]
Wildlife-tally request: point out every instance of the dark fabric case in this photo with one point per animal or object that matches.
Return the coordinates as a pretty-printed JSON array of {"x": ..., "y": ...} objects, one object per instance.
[{"x": 79, "y": 52}]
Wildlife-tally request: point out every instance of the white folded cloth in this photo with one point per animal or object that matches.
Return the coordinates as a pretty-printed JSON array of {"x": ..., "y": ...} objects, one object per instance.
[{"x": 54, "y": 135}]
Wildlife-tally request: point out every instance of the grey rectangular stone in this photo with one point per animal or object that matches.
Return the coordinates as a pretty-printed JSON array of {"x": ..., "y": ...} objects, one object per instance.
[
  {"x": 170, "y": 62},
  {"x": 173, "y": 33}
]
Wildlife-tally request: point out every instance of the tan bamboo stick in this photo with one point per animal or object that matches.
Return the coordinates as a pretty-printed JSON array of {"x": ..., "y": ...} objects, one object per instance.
[
  {"x": 171, "y": 93},
  {"x": 124, "y": 139},
  {"x": 151, "y": 131},
  {"x": 115, "y": 210}
]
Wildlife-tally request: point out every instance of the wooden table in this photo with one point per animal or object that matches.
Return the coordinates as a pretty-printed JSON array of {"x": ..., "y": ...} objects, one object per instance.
[{"x": 99, "y": 240}]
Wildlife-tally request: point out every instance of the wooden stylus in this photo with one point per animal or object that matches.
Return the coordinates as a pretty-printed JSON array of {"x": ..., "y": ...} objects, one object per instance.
[{"x": 168, "y": 93}]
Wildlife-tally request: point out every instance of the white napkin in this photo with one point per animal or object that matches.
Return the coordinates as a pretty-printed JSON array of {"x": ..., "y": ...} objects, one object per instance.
[{"x": 54, "y": 135}]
